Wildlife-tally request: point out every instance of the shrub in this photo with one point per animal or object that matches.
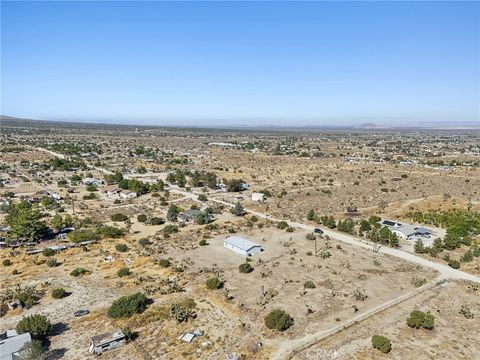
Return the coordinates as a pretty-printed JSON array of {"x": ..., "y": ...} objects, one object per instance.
[
  {"x": 52, "y": 262},
  {"x": 310, "y": 236},
  {"x": 455, "y": 264},
  {"x": 381, "y": 343},
  {"x": 110, "y": 231},
  {"x": 124, "y": 271},
  {"x": 58, "y": 293},
  {"x": 48, "y": 252},
  {"x": 203, "y": 242},
  {"x": 169, "y": 229},
  {"x": 164, "y": 263},
  {"x": 156, "y": 221},
  {"x": 245, "y": 268},
  {"x": 79, "y": 271},
  {"x": 418, "y": 319},
  {"x": 290, "y": 229},
  {"x": 126, "y": 306},
  {"x": 279, "y": 320},
  {"x": 15, "y": 272},
  {"x": 309, "y": 284},
  {"x": 282, "y": 225},
  {"x": 360, "y": 295},
  {"x": 213, "y": 283},
  {"x": 465, "y": 311},
  {"x": 7, "y": 262},
  {"x": 121, "y": 247},
  {"x": 142, "y": 218},
  {"x": 144, "y": 242},
  {"x": 37, "y": 325},
  {"x": 202, "y": 197},
  {"x": 119, "y": 217},
  {"x": 418, "y": 281}
]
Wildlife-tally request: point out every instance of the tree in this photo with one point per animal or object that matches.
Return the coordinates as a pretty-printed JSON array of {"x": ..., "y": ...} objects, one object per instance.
[
  {"x": 418, "y": 247},
  {"x": 279, "y": 320},
  {"x": 381, "y": 343},
  {"x": 126, "y": 306},
  {"x": 124, "y": 271},
  {"x": 121, "y": 247},
  {"x": 57, "y": 222},
  {"x": 37, "y": 325},
  {"x": 455, "y": 264},
  {"x": 213, "y": 283},
  {"x": 172, "y": 213},
  {"x": 311, "y": 215},
  {"x": 238, "y": 209},
  {"x": 365, "y": 226},
  {"x": 25, "y": 222},
  {"x": 418, "y": 319},
  {"x": 32, "y": 350},
  {"x": 234, "y": 185}
]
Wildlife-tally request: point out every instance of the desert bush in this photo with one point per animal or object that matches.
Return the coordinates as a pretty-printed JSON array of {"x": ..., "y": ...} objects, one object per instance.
[
  {"x": 124, "y": 271},
  {"x": 142, "y": 218},
  {"x": 7, "y": 262},
  {"x": 309, "y": 284},
  {"x": 381, "y": 343},
  {"x": 455, "y": 264},
  {"x": 418, "y": 319},
  {"x": 245, "y": 268},
  {"x": 466, "y": 312},
  {"x": 282, "y": 225},
  {"x": 58, "y": 293},
  {"x": 37, "y": 325},
  {"x": 52, "y": 262},
  {"x": 79, "y": 271},
  {"x": 144, "y": 242},
  {"x": 360, "y": 295},
  {"x": 119, "y": 217},
  {"x": 203, "y": 242},
  {"x": 279, "y": 320},
  {"x": 156, "y": 221},
  {"x": 310, "y": 236},
  {"x": 164, "y": 263},
  {"x": 213, "y": 283},
  {"x": 417, "y": 281},
  {"x": 121, "y": 247},
  {"x": 48, "y": 252},
  {"x": 126, "y": 306}
]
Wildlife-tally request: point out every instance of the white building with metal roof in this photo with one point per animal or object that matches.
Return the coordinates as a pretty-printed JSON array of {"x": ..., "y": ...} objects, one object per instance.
[
  {"x": 11, "y": 344},
  {"x": 242, "y": 246}
]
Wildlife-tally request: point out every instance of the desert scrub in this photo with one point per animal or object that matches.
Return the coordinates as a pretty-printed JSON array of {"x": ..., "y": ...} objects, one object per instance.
[
  {"x": 381, "y": 343},
  {"x": 279, "y": 320},
  {"x": 58, "y": 293},
  {"x": 213, "y": 283}
]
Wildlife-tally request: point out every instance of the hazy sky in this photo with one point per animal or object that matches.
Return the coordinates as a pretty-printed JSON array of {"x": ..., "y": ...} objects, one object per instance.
[{"x": 324, "y": 63}]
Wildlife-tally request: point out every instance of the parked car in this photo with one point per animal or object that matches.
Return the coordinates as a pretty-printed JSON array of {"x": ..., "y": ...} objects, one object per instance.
[
  {"x": 318, "y": 231},
  {"x": 79, "y": 313}
]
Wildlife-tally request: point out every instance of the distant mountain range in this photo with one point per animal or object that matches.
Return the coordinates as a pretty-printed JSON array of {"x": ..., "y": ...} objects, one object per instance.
[{"x": 424, "y": 125}]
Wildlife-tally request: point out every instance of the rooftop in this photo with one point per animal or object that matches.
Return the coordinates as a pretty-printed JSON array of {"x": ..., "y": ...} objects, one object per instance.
[{"x": 241, "y": 243}]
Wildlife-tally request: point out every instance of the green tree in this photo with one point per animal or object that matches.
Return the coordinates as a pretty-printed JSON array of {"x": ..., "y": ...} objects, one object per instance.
[
  {"x": 25, "y": 222},
  {"x": 32, "y": 350},
  {"x": 245, "y": 268},
  {"x": 238, "y": 210},
  {"x": 172, "y": 213},
  {"x": 59, "y": 293},
  {"x": 213, "y": 283},
  {"x": 57, "y": 222},
  {"x": 37, "y": 325},
  {"x": 311, "y": 215},
  {"x": 279, "y": 320}
]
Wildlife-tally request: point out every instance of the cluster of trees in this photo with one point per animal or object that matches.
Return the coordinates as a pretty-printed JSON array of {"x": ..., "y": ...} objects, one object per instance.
[
  {"x": 58, "y": 222},
  {"x": 383, "y": 235},
  {"x": 458, "y": 222},
  {"x": 58, "y": 164},
  {"x": 134, "y": 185},
  {"x": 202, "y": 178},
  {"x": 177, "y": 177},
  {"x": 234, "y": 185},
  {"x": 25, "y": 222}
]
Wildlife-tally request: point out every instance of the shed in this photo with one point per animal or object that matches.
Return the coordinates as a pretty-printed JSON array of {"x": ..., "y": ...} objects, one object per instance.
[
  {"x": 106, "y": 341},
  {"x": 242, "y": 246},
  {"x": 11, "y": 344},
  {"x": 260, "y": 197}
]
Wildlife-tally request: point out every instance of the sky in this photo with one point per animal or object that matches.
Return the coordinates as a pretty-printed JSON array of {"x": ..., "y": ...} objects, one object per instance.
[{"x": 241, "y": 63}]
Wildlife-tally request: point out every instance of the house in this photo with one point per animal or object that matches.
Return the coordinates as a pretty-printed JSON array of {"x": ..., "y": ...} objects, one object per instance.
[
  {"x": 106, "y": 341},
  {"x": 11, "y": 343},
  {"x": 189, "y": 215},
  {"x": 260, "y": 197},
  {"x": 92, "y": 181},
  {"x": 405, "y": 231},
  {"x": 242, "y": 246},
  {"x": 127, "y": 194},
  {"x": 111, "y": 191}
]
